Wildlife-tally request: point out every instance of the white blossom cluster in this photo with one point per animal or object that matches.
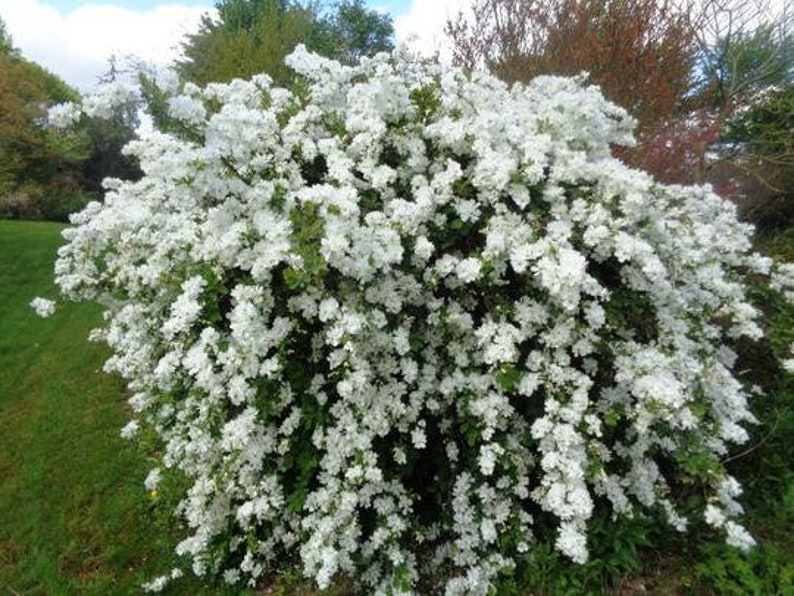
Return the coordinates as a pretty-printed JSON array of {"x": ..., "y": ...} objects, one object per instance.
[
  {"x": 389, "y": 322},
  {"x": 102, "y": 104},
  {"x": 43, "y": 307},
  {"x": 64, "y": 115},
  {"x": 783, "y": 281}
]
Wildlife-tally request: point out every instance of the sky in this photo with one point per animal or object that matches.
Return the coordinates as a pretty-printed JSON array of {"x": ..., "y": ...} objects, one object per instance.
[{"x": 74, "y": 39}]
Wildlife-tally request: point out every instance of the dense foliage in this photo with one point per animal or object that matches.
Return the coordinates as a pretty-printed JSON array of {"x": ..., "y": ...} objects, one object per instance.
[
  {"x": 37, "y": 166},
  {"x": 760, "y": 141},
  {"x": 43, "y": 173},
  {"x": 745, "y": 61},
  {"x": 417, "y": 327},
  {"x": 640, "y": 52},
  {"x": 253, "y": 36}
]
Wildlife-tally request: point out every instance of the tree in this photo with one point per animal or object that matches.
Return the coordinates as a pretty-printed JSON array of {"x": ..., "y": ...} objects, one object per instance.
[
  {"x": 746, "y": 81},
  {"x": 6, "y": 42},
  {"x": 46, "y": 173},
  {"x": 640, "y": 52},
  {"x": 39, "y": 169},
  {"x": 351, "y": 31},
  {"x": 744, "y": 48},
  {"x": 253, "y": 36},
  {"x": 757, "y": 152}
]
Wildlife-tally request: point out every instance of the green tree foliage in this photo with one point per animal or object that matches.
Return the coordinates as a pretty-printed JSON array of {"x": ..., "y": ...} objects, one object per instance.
[
  {"x": 253, "y": 36},
  {"x": 753, "y": 61},
  {"x": 6, "y": 43},
  {"x": 106, "y": 139},
  {"x": 155, "y": 102},
  {"x": 747, "y": 83},
  {"x": 39, "y": 169},
  {"x": 746, "y": 48},
  {"x": 46, "y": 173},
  {"x": 760, "y": 137},
  {"x": 352, "y": 31},
  {"x": 249, "y": 37}
]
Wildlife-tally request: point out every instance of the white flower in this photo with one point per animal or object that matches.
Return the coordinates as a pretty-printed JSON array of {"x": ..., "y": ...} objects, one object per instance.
[
  {"x": 399, "y": 456},
  {"x": 130, "y": 429},
  {"x": 153, "y": 478},
  {"x": 43, "y": 307},
  {"x": 572, "y": 542},
  {"x": 714, "y": 516},
  {"x": 187, "y": 109},
  {"x": 299, "y": 316},
  {"x": 488, "y": 456},
  {"x": 328, "y": 309},
  {"x": 64, "y": 115},
  {"x": 156, "y": 585},
  {"x": 737, "y": 536},
  {"x": 109, "y": 98},
  {"x": 419, "y": 438},
  {"x": 423, "y": 248},
  {"x": 468, "y": 270},
  {"x": 488, "y": 530},
  {"x": 186, "y": 308}
]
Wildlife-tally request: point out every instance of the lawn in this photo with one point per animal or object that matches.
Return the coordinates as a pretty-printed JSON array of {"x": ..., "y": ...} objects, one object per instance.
[{"x": 75, "y": 517}]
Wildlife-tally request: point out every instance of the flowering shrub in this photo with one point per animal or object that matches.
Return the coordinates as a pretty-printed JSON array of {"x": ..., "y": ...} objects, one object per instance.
[{"x": 405, "y": 324}]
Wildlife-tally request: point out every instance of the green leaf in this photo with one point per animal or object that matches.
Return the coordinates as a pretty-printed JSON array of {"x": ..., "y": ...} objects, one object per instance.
[
  {"x": 457, "y": 224},
  {"x": 508, "y": 377}
]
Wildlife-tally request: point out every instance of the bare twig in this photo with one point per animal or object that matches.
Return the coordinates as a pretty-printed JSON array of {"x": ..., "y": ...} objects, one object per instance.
[{"x": 749, "y": 450}]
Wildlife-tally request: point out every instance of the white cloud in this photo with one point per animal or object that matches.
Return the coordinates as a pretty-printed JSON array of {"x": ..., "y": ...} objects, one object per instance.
[
  {"x": 77, "y": 46},
  {"x": 423, "y": 25}
]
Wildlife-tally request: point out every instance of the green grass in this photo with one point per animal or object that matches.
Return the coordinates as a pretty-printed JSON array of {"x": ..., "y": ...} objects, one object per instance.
[{"x": 74, "y": 515}]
